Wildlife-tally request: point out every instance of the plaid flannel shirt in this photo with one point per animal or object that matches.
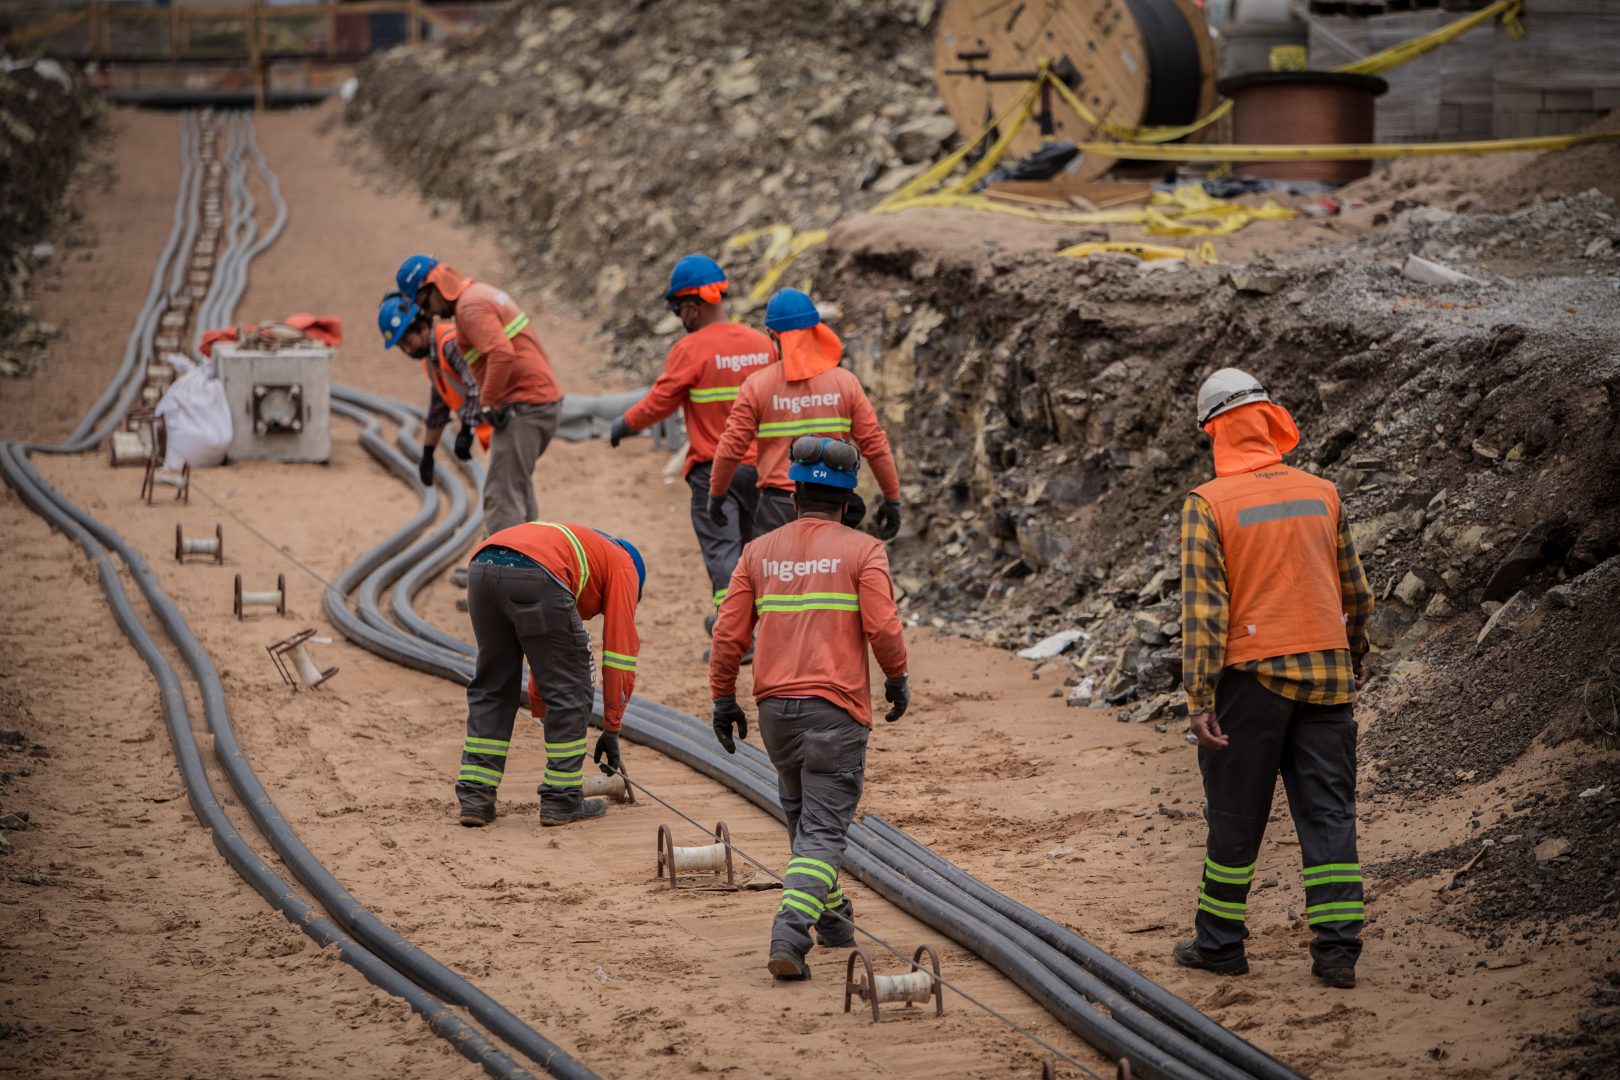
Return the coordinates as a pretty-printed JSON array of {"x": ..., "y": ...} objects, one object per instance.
[
  {"x": 438, "y": 410},
  {"x": 1326, "y": 677}
]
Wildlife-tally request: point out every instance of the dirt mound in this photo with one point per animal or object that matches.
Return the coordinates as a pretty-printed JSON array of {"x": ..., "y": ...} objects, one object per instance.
[
  {"x": 605, "y": 140},
  {"x": 47, "y": 109}
]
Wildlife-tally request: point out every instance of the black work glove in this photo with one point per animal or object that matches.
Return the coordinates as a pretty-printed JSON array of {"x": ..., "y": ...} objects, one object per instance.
[
  {"x": 607, "y": 745},
  {"x": 727, "y": 713},
  {"x": 717, "y": 509},
  {"x": 464, "y": 439},
  {"x": 897, "y": 692},
  {"x": 424, "y": 468},
  {"x": 495, "y": 418},
  {"x": 888, "y": 519},
  {"x": 620, "y": 431}
]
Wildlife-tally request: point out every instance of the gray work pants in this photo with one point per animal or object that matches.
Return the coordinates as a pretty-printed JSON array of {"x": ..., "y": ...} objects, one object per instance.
[
  {"x": 1314, "y": 747},
  {"x": 522, "y": 612},
  {"x": 513, "y": 450},
  {"x": 722, "y": 545},
  {"x": 819, "y": 751}
]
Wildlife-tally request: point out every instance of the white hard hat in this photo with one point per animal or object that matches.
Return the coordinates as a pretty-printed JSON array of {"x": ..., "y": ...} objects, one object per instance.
[{"x": 1225, "y": 390}]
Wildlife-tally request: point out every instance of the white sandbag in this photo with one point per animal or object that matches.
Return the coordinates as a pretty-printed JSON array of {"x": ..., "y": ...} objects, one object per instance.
[{"x": 195, "y": 415}]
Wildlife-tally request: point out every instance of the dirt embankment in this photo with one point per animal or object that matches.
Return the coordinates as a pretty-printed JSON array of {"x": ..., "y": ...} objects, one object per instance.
[
  {"x": 46, "y": 112},
  {"x": 603, "y": 140}
]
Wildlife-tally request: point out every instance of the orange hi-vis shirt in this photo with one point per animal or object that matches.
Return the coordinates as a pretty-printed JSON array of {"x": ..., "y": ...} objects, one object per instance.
[
  {"x": 604, "y": 582},
  {"x": 774, "y": 411},
  {"x": 1279, "y": 532},
  {"x": 810, "y": 597},
  {"x": 502, "y": 349},
  {"x": 702, "y": 375}
]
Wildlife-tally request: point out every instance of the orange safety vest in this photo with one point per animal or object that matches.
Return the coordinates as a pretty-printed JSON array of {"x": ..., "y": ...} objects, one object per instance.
[
  {"x": 1279, "y": 531},
  {"x": 444, "y": 379}
]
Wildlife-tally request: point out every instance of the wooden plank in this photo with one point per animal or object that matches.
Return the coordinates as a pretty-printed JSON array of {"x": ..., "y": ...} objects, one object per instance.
[{"x": 1059, "y": 191}]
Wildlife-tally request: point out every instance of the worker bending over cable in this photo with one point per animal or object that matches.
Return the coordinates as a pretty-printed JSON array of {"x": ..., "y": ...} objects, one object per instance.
[
  {"x": 701, "y": 377},
  {"x": 530, "y": 589},
  {"x": 516, "y": 388},
  {"x": 807, "y": 393},
  {"x": 1274, "y": 608},
  {"x": 451, "y": 386},
  {"x": 816, "y": 593}
]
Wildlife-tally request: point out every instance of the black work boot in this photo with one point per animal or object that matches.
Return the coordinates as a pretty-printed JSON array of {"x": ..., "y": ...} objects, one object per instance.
[
  {"x": 458, "y": 577},
  {"x": 585, "y": 811},
  {"x": 1337, "y": 976},
  {"x": 476, "y": 813},
  {"x": 1188, "y": 954},
  {"x": 787, "y": 964}
]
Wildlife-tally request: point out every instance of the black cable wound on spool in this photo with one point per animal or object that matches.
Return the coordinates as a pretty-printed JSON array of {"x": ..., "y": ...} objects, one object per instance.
[{"x": 1175, "y": 68}]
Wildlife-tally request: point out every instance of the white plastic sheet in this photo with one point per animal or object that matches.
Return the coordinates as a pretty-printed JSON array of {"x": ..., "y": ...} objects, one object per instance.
[{"x": 196, "y": 416}]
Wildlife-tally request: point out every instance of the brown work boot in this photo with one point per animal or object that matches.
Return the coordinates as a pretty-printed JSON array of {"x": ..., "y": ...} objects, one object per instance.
[
  {"x": 1339, "y": 976},
  {"x": 1189, "y": 955},
  {"x": 787, "y": 964},
  {"x": 587, "y": 809}
]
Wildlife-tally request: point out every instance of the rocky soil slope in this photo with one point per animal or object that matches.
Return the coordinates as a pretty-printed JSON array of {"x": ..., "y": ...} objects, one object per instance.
[
  {"x": 604, "y": 140},
  {"x": 46, "y": 111}
]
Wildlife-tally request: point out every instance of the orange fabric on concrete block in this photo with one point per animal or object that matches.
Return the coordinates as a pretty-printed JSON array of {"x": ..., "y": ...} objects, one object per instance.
[
  {"x": 1279, "y": 531},
  {"x": 605, "y": 584},
  {"x": 810, "y": 597},
  {"x": 831, "y": 403},
  {"x": 807, "y": 353},
  {"x": 450, "y": 282},
  {"x": 509, "y": 369},
  {"x": 327, "y": 329},
  {"x": 1251, "y": 437},
  {"x": 699, "y": 374}
]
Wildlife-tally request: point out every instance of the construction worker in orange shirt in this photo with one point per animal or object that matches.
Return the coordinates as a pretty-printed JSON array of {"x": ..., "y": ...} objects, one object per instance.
[
  {"x": 1274, "y": 609},
  {"x": 452, "y": 390},
  {"x": 701, "y": 377},
  {"x": 807, "y": 393},
  {"x": 814, "y": 595},
  {"x": 530, "y": 589},
  {"x": 516, "y": 388}
]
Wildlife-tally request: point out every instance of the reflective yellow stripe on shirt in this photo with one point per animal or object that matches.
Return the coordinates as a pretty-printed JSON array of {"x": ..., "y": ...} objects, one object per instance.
[
  {"x": 713, "y": 393},
  {"x": 814, "y": 425},
  {"x": 815, "y": 601},
  {"x": 579, "y": 553},
  {"x": 513, "y": 329},
  {"x": 618, "y": 660}
]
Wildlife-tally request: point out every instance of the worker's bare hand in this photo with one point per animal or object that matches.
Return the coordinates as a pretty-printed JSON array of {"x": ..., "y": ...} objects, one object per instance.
[
  {"x": 1208, "y": 731},
  {"x": 1361, "y": 678}
]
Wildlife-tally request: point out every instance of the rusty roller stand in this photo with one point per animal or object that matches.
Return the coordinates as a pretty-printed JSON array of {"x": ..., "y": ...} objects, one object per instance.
[
  {"x": 156, "y": 478},
  {"x": 214, "y": 547},
  {"x": 295, "y": 665},
  {"x": 1049, "y": 1070},
  {"x": 711, "y": 859},
  {"x": 256, "y": 599},
  {"x": 914, "y": 986}
]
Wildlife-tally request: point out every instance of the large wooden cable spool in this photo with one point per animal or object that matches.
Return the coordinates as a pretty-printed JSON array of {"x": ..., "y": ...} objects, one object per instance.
[{"x": 1133, "y": 62}]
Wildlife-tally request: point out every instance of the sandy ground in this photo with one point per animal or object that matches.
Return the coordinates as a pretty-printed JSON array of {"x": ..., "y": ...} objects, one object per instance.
[{"x": 127, "y": 947}]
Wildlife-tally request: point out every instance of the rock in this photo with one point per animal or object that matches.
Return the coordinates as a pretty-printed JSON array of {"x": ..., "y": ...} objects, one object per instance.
[
  {"x": 5, "y": 846},
  {"x": 1055, "y": 645},
  {"x": 1263, "y": 284},
  {"x": 893, "y": 179},
  {"x": 9, "y": 737},
  {"x": 922, "y": 140},
  {"x": 735, "y": 86},
  {"x": 1082, "y": 693},
  {"x": 1561, "y": 596},
  {"x": 1598, "y": 248},
  {"x": 1425, "y": 272},
  {"x": 14, "y": 822},
  {"x": 1551, "y": 848},
  {"x": 1389, "y": 623},
  {"x": 1439, "y": 607},
  {"x": 1507, "y": 619},
  {"x": 1415, "y": 587},
  {"x": 1531, "y": 552}
]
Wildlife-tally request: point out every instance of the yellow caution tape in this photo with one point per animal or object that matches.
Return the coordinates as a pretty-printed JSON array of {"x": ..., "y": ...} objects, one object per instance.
[
  {"x": 1204, "y": 252},
  {"x": 1396, "y": 55},
  {"x": 1347, "y": 152}
]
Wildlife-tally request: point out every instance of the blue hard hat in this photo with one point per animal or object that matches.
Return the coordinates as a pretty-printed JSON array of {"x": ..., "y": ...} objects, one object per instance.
[
  {"x": 693, "y": 272},
  {"x": 820, "y": 471},
  {"x": 635, "y": 557},
  {"x": 395, "y": 316},
  {"x": 413, "y": 272},
  {"x": 790, "y": 309}
]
